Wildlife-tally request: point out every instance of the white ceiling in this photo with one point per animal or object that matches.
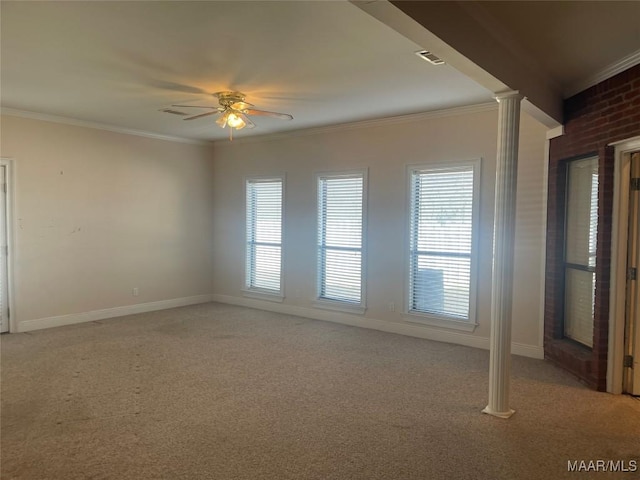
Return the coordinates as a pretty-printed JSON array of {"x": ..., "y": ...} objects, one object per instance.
[{"x": 119, "y": 63}]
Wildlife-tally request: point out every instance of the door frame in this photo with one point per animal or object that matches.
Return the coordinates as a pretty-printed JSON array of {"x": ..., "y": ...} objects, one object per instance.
[
  {"x": 9, "y": 164},
  {"x": 619, "y": 234}
]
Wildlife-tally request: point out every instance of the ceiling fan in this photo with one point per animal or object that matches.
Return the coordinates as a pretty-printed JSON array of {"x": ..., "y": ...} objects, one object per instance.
[{"x": 235, "y": 111}]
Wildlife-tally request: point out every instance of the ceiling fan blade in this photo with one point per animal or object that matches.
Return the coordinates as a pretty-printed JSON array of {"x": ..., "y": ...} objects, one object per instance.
[
  {"x": 195, "y": 106},
  {"x": 283, "y": 116},
  {"x": 200, "y": 116},
  {"x": 175, "y": 112}
]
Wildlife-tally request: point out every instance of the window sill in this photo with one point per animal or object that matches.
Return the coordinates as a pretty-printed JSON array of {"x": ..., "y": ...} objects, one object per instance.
[
  {"x": 263, "y": 295},
  {"x": 572, "y": 348},
  {"x": 339, "y": 306},
  {"x": 442, "y": 322}
]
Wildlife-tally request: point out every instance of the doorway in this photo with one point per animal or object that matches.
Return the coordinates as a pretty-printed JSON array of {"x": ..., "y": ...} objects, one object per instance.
[
  {"x": 623, "y": 358},
  {"x": 4, "y": 246},
  {"x": 631, "y": 360}
]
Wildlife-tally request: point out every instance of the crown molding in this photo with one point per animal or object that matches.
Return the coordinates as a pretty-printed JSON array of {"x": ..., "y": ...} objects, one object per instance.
[
  {"x": 621, "y": 65},
  {"x": 14, "y": 112},
  {"x": 385, "y": 121},
  {"x": 378, "y": 122}
]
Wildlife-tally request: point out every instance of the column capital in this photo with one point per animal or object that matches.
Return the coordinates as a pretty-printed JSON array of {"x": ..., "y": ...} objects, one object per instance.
[{"x": 508, "y": 94}]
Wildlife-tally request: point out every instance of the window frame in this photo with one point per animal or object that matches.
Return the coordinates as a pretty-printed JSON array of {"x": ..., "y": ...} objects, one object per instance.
[
  {"x": 433, "y": 319},
  {"x": 566, "y": 266},
  {"x": 336, "y": 304},
  {"x": 258, "y": 292}
]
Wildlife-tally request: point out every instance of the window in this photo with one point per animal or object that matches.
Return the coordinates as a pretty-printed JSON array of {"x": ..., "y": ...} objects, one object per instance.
[
  {"x": 580, "y": 249},
  {"x": 264, "y": 235},
  {"x": 340, "y": 225},
  {"x": 443, "y": 225}
]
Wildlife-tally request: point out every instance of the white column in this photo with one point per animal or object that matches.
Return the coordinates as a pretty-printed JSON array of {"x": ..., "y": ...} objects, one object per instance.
[{"x": 504, "y": 236}]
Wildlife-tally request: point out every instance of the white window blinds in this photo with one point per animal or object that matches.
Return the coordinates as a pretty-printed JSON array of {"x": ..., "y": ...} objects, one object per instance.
[
  {"x": 580, "y": 249},
  {"x": 340, "y": 221},
  {"x": 441, "y": 240},
  {"x": 264, "y": 234}
]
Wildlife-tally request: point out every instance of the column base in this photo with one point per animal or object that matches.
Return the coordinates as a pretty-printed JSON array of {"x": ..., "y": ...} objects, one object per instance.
[{"x": 505, "y": 415}]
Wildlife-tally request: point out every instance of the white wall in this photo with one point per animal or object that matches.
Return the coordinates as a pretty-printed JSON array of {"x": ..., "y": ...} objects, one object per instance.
[
  {"x": 386, "y": 150},
  {"x": 98, "y": 213}
]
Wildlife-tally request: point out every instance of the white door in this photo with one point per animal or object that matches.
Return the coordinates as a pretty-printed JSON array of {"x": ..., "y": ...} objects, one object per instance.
[
  {"x": 632, "y": 328},
  {"x": 4, "y": 277}
]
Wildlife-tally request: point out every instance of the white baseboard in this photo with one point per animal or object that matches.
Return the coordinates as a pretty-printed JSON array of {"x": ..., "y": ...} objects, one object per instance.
[
  {"x": 409, "y": 329},
  {"x": 61, "y": 320},
  {"x": 524, "y": 350}
]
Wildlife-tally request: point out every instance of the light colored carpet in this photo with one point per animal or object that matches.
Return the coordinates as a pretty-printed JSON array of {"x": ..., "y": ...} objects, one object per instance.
[{"x": 221, "y": 392}]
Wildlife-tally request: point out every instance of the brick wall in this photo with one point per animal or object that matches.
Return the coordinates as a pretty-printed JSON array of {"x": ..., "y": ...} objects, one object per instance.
[{"x": 605, "y": 113}]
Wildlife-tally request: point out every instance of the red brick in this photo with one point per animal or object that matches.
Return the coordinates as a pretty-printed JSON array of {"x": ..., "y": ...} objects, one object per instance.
[{"x": 594, "y": 118}]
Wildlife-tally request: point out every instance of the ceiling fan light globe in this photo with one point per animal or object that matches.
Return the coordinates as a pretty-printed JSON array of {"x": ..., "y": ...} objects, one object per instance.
[
  {"x": 235, "y": 121},
  {"x": 222, "y": 121}
]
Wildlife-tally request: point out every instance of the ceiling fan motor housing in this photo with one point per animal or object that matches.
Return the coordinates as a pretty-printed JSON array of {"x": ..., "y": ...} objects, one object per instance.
[{"x": 228, "y": 98}]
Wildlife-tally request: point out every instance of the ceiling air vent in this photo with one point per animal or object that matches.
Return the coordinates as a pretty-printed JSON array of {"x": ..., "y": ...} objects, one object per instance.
[{"x": 430, "y": 57}]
